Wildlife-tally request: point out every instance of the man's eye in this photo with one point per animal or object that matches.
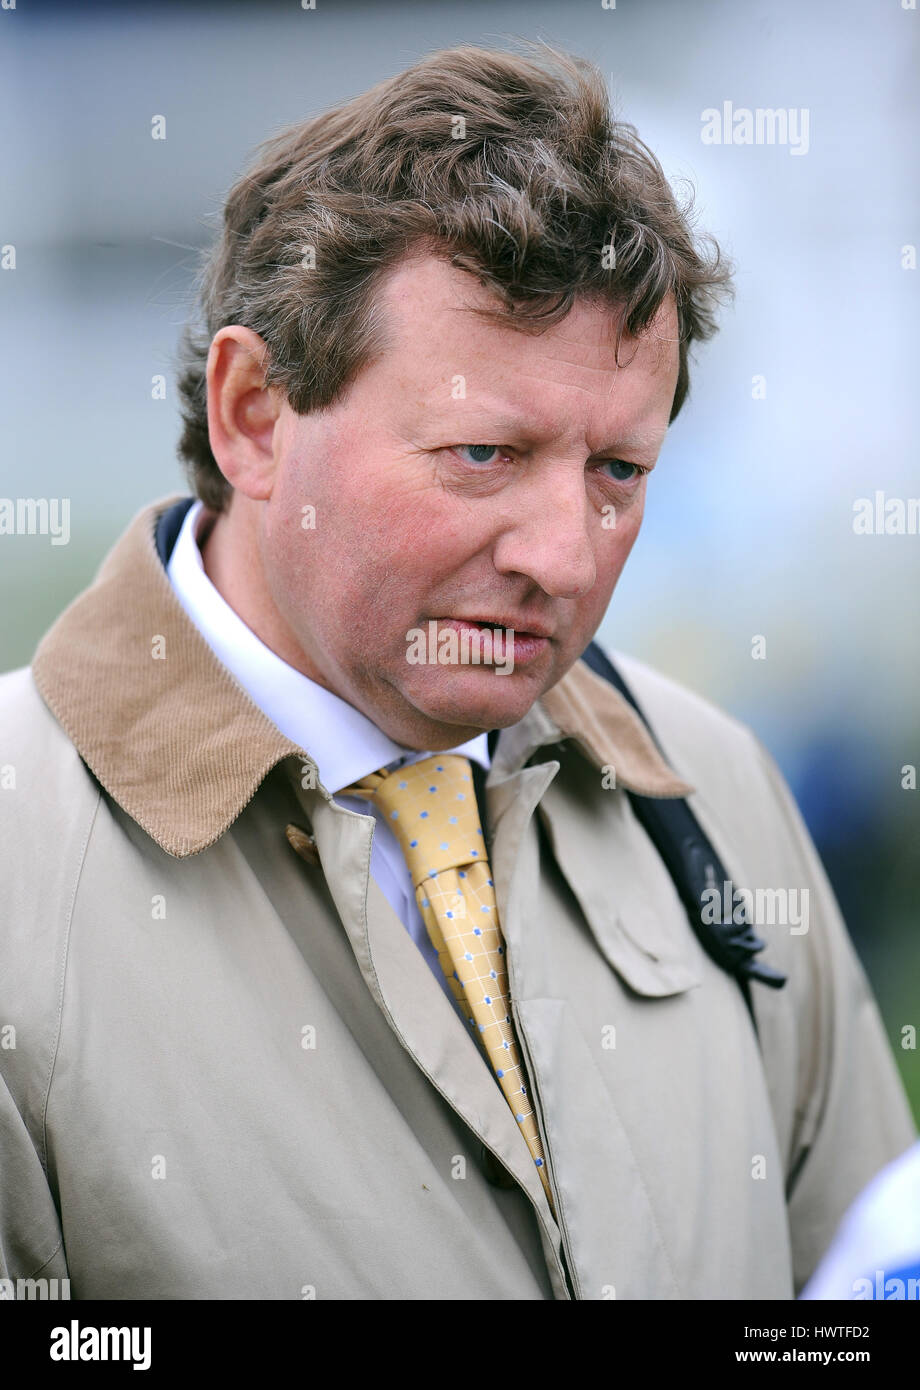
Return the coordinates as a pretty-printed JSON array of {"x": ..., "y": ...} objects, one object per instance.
[
  {"x": 623, "y": 472},
  {"x": 620, "y": 470},
  {"x": 479, "y": 453}
]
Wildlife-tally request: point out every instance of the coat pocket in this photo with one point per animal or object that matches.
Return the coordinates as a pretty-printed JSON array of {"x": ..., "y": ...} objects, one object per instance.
[
  {"x": 625, "y": 893},
  {"x": 641, "y": 953}
]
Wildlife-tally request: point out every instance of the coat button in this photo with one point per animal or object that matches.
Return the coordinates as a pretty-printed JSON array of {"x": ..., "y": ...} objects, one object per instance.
[
  {"x": 496, "y": 1173},
  {"x": 302, "y": 843}
]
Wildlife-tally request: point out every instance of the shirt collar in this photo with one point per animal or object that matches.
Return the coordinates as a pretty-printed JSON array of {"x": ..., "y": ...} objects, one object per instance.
[
  {"x": 343, "y": 742},
  {"x": 178, "y": 742}
]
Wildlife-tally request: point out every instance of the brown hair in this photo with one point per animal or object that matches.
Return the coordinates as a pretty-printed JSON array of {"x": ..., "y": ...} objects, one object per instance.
[{"x": 538, "y": 186}]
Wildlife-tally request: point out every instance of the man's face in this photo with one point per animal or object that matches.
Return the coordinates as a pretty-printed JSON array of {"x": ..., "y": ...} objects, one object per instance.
[{"x": 472, "y": 473}]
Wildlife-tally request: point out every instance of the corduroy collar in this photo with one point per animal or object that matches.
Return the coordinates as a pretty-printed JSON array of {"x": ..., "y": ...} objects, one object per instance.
[{"x": 180, "y": 746}]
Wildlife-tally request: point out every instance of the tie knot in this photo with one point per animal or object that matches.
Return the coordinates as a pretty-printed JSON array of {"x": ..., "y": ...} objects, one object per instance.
[{"x": 431, "y": 807}]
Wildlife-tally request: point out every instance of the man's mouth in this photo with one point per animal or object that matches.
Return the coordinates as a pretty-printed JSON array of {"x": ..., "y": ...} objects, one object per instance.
[
  {"x": 520, "y": 644},
  {"x": 520, "y": 627}
]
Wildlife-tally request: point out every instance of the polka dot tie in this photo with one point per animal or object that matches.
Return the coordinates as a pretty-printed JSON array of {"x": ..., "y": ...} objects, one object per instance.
[{"x": 431, "y": 807}]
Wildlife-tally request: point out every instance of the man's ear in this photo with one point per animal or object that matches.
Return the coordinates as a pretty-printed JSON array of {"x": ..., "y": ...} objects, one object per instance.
[{"x": 242, "y": 410}]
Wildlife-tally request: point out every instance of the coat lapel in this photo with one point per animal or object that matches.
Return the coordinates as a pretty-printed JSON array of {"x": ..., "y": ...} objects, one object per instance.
[
  {"x": 605, "y": 1213},
  {"x": 416, "y": 1008}
]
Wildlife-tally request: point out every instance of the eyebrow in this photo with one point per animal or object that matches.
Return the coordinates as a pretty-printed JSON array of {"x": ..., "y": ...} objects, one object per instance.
[{"x": 503, "y": 426}]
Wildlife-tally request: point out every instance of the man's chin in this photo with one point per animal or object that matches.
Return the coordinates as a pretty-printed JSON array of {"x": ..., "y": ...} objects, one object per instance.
[{"x": 467, "y": 701}]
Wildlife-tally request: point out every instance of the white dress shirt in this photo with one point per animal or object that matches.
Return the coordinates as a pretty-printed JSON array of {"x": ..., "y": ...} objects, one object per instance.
[{"x": 343, "y": 742}]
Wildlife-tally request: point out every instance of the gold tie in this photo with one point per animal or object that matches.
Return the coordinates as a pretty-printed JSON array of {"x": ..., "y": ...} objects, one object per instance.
[{"x": 431, "y": 807}]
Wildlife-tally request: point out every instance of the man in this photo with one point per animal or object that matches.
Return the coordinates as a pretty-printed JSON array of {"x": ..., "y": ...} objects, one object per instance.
[
  {"x": 876, "y": 1251},
  {"x": 276, "y": 1035}
]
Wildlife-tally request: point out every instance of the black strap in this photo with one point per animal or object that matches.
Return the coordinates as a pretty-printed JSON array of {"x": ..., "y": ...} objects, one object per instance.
[
  {"x": 169, "y": 526},
  {"x": 693, "y": 864}
]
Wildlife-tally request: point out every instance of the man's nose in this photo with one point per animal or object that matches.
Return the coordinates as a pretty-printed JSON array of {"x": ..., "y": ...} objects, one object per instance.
[{"x": 551, "y": 537}]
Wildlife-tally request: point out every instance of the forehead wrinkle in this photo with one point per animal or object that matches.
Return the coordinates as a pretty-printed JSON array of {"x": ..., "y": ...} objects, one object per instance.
[
  {"x": 593, "y": 394},
  {"x": 507, "y": 421},
  {"x": 633, "y": 348},
  {"x": 555, "y": 380},
  {"x": 579, "y": 367}
]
